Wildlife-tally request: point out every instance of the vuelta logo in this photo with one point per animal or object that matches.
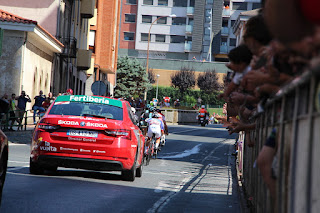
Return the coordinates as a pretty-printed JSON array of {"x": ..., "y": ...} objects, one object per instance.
[{"x": 47, "y": 147}]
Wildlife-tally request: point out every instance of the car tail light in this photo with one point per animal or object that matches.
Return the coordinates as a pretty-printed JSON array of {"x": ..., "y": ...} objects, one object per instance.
[
  {"x": 48, "y": 126},
  {"x": 119, "y": 133}
]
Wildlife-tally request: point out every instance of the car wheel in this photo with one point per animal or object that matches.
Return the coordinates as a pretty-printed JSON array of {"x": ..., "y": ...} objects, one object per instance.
[
  {"x": 3, "y": 171},
  {"x": 35, "y": 169},
  {"x": 129, "y": 175},
  {"x": 139, "y": 170}
]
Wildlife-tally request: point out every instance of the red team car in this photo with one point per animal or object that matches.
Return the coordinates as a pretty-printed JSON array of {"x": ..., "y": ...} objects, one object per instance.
[{"x": 88, "y": 132}]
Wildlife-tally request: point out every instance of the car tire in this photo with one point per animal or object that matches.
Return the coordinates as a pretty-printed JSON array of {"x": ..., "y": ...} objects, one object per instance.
[
  {"x": 3, "y": 171},
  {"x": 35, "y": 169},
  {"x": 129, "y": 175},
  {"x": 139, "y": 170}
]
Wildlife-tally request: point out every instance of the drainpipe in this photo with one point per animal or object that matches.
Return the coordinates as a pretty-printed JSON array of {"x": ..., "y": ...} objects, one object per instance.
[{"x": 23, "y": 61}]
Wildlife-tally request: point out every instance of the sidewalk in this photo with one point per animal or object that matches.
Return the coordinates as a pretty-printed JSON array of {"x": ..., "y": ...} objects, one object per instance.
[{"x": 21, "y": 136}]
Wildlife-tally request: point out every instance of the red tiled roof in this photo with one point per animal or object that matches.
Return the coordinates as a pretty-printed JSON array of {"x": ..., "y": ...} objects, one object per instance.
[{"x": 9, "y": 17}]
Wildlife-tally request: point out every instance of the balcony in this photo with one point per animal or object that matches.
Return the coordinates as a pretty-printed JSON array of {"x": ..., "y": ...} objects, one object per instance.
[
  {"x": 190, "y": 11},
  {"x": 189, "y": 29},
  {"x": 226, "y": 12},
  {"x": 87, "y": 8},
  {"x": 84, "y": 59},
  {"x": 223, "y": 49},
  {"x": 224, "y": 31},
  {"x": 188, "y": 46},
  {"x": 70, "y": 47}
]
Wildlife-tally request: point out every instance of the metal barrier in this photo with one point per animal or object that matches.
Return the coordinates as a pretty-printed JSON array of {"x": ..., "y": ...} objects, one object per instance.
[
  {"x": 295, "y": 112},
  {"x": 5, "y": 119}
]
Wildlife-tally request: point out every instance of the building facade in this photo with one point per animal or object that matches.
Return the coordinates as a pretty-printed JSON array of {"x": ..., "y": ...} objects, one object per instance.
[
  {"x": 103, "y": 42},
  {"x": 27, "y": 52},
  {"x": 66, "y": 20}
]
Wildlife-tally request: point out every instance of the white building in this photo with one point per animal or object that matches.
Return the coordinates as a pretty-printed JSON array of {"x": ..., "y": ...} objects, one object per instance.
[
  {"x": 230, "y": 14},
  {"x": 168, "y": 34}
]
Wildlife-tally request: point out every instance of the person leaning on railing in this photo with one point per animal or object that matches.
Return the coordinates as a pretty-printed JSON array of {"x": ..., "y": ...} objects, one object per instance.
[{"x": 23, "y": 99}]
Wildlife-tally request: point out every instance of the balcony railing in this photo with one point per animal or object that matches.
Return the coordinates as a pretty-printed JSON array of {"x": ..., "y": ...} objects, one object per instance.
[
  {"x": 189, "y": 29},
  {"x": 70, "y": 47},
  {"x": 225, "y": 31},
  {"x": 190, "y": 11},
  {"x": 188, "y": 46},
  {"x": 223, "y": 49}
]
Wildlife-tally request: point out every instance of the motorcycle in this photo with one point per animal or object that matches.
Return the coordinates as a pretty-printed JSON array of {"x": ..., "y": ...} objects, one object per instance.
[{"x": 203, "y": 120}]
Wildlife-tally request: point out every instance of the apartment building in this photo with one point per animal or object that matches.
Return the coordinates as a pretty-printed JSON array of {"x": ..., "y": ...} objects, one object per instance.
[
  {"x": 103, "y": 42},
  {"x": 230, "y": 13}
]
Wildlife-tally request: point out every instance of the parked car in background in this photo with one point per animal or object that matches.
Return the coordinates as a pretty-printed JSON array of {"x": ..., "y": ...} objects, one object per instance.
[
  {"x": 88, "y": 132},
  {"x": 3, "y": 160}
]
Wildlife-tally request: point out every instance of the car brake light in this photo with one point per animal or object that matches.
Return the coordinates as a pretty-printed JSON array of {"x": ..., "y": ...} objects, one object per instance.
[
  {"x": 48, "y": 126},
  {"x": 119, "y": 133}
]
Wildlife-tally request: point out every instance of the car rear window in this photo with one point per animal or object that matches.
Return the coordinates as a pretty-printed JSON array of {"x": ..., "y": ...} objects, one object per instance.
[{"x": 87, "y": 109}]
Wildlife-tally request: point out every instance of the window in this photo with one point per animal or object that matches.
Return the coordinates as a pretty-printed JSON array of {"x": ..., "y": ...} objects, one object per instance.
[
  {"x": 176, "y": 39},
  {"x": 256, "y": 6},
  {"x": 163, "y": 2},
  {"x": 224, "y": 23},
  {"x": 162, "y": 20},
  {"x": 148, "y": 2},
  {"x": 144, "y": 36},
  {"x": 224, "y": 41},
  {"x": 128, "y": 36},
  {"x": 131, "y": 1},
  {"x": 180, "y": 3},
  {"x": 146, "y": 19},
  {"x": 160, "y": 38},
  {"x": 191, "y": 21},
  {"x": 130, "y": 18},
  {"x": 179, "y": 21},
  {"x": 192, "y": 3},
  {"x": 239, "y": 6},
  {"x": 232, "y": 42}
]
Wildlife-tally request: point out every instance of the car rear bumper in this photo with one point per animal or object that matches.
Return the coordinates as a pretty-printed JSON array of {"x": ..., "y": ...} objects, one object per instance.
[{"x": 80, "y": 163}]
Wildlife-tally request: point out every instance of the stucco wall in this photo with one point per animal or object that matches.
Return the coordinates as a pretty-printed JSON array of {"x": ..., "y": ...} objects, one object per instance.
[
  {"x": 10, "y": 66},
  {"x": 36, "y": 71}
]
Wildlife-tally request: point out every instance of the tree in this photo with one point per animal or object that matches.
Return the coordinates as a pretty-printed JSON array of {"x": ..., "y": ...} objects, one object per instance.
[
  {"x": 208, "y": 81},
  {"x": 132, "y": 80},
  {"x": 183, "y": 79}
]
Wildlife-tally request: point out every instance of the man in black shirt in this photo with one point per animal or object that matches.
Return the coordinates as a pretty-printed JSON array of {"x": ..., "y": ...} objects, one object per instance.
[{"x": 38, "y": 105}]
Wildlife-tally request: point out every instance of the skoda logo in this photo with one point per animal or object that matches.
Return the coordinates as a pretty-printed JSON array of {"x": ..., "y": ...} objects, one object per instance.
[{"x": 82, "y": 123}]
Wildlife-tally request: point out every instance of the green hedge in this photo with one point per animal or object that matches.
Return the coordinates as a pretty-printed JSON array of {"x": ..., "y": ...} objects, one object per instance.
[{"x": 189, "y": 98}]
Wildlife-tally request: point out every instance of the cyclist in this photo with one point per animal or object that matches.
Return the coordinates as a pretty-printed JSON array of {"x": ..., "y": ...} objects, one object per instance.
[
  {"x": 166, "y": 132},
  {"x": 155, "y": 127}
]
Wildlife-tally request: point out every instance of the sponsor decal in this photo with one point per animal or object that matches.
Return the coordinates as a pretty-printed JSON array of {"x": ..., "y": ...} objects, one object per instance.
[
  {"x": 89, "y": 140},
  {"x": 68, "y": 149},
  {"x": 88, "y": 124},
  {"x": 134, "y": 146},
  {"x": 96, "y": 125},
  {"x": 84, "y": 150},
  {"x": 68, "y": 122},
  {"x": 90, "y": 99},
  {"x": 74, "y": 139},
  {"x": 98, "y": 151},
  {"x": 47, "y": 147}
]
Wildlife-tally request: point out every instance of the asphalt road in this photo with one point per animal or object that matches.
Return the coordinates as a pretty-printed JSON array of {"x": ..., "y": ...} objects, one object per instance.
[{"x": 194, "y": 173}]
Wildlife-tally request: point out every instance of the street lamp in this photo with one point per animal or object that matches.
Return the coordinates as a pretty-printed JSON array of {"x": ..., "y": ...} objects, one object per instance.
[
  {"x": 147, "y": 69},
  {"x": 157, "y": 86}
]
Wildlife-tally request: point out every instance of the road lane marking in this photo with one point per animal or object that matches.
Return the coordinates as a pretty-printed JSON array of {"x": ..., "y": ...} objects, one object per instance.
[
  {"x": 12, "y": 161},
  {"x": 16, "y": 168},
  {"x": 185, "y": 153},
  {"x": 190, "y": 130},
  {"x": 164, "y": 200},
  {"x": 18, "y": 144}
]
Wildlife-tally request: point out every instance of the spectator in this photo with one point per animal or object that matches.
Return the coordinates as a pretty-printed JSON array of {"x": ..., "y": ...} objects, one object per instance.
[
  {"x": 37, "y": 107},
  {"x": 12, "y": 115},
  {"x": 22, "y": 102},
  {"x": 4, "y": 107},
  {"x": 176, "y": 103}
]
